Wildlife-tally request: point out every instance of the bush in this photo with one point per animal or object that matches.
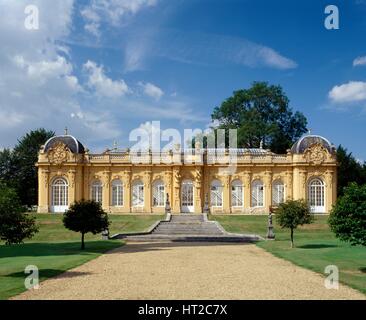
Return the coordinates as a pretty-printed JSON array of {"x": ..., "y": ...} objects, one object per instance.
[
  {"x": 293, "y": 213},
  {"x": 348, "y": 217},
  {"x": 86, "y": 216},
  {"x": 15, "y": 224}
]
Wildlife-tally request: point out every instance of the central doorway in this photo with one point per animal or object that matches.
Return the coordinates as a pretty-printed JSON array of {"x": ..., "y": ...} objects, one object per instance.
[{"x": 187, "y": 196}]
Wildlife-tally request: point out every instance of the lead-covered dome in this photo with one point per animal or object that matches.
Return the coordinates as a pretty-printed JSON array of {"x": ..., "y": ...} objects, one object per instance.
[
  {"x": 74, "y": 145},
  {"x": 305, "y": 142}
]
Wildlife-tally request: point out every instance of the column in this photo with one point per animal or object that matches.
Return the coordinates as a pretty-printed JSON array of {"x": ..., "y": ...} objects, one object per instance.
[
  {"x": 127, "y": 191},
  {"x": 43, "y": 190},
  {"x": 198, "y": 190},
  {"x": 176, "y": 187},
  {"x": 247, "y": 191},
  {"x": 106, "y": 190},
  {"x": 226, "y": 195},
  {"x": 71, "y": 177},
  {"x": 267, "y": 190},
  {"x": 289, "y": 186},
  {"x": 147, "y": 192},
  {"x": 330, "y": 190}
]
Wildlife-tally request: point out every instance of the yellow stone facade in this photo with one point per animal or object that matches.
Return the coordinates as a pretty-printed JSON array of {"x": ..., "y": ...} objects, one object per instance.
[{"x": 138, "y": 183}]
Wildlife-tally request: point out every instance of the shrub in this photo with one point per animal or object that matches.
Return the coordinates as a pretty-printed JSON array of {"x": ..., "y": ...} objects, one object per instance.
[
  {"x": 15, "y": 224},
  {"x": 348, "y": 217},
  {"x": 86, "y": 216},
  {"x": 293, "y": 213}
]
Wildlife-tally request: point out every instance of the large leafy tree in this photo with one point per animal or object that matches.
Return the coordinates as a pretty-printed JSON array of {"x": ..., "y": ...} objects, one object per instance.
[
  {"x": 86, "y": 216},
  {"x": 349, "y": 170},
  {"x": 292, "y": 214},
  {"x": 24, "y": 158},
  {"x": 15, "y": 225},
  {"x": 261, "y": 113},
  {"x": 348, "y": 217}
]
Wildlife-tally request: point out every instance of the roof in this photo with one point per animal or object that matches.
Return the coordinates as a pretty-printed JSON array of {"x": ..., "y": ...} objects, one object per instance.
[
  {"x": 71, "y": 142},
  {"x": 306, "y": 141}
]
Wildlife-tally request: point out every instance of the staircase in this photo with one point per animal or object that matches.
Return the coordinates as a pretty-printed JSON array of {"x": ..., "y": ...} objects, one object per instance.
[{"x": 188, "y": 227}]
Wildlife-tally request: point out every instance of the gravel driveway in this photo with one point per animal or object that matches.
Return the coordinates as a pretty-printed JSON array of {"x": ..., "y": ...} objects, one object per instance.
[{"x": 188, "y": 271}]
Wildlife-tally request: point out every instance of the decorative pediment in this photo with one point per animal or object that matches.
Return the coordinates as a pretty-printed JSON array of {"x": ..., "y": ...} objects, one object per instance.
[
  {"x": 58, "y": 154},
  {"x": 316, "y": 154}
]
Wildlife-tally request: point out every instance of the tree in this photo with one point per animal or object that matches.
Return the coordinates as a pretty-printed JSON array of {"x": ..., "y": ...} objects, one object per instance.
[
  {"x": 15, "y": 225},
  {"x": 25, "y": 156},
  {"x": 293, "y": 213},
  {"x": 348, "y": 217},
  {"x": 349, "y": 170},
  {"x": 86, "y": 216},
  {"x": 7, "y": 167},
  {"x": 261, "y": 113}
]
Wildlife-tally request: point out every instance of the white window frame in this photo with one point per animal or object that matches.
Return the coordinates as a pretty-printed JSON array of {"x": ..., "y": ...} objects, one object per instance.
[
  {"x": 138, "y": 197},
  {"x": 158, "y": 194},
  {"x": 216, "y": 194},
  {"x": 316, "y": 195},
  {"x": 257, "y": 194},
  {"x": 117, "y": 193},
  {"x": 97, "y": 191},
  {"x": 59, "y": 195},
  {"x": 278, "y": 193},
  {"x": 237, "y": 194}
]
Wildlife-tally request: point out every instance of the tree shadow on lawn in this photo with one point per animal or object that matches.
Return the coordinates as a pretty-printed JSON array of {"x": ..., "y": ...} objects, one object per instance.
[
  {"x": 49, "y": 273},
  {"x": 363, "y": 270},
  {"x": 39, "y": 249},
  {"x": 317, "y": 246}
]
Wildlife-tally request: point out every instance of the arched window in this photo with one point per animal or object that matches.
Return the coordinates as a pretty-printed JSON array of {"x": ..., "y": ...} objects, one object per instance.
[
  {"x": 216, "y": 193},
  {"x": 237, "y": 193},
  {"x": 59, "y": 195},
  {"x": 257, "y": 193},
  {"x": 138, "y": 193},
  {"x": 97, "y": 191},
  {"x": 117, "y": 193},
  {"x": 278, "y": 193},
  {"x": 158, "y": 193},
  {"x": 316, "y": 195}
]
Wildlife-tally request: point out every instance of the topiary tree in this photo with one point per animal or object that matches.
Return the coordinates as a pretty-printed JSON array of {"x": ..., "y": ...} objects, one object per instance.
[
  {"x": 86, "y": 216},
  {"x": 15, "y": 224},
  {"x": 292, "y": 214},
  {"x": 348, "y": 217}
]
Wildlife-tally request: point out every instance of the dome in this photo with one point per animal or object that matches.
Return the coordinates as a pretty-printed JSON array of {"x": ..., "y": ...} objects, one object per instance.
[
  {"x": 71, "y": 142},
  {"x": 303, "y": 143}
]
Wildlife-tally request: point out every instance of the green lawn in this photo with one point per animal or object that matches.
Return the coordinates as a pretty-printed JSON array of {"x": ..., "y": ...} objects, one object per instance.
[
  {"x": 55, "y": 249},
  {"x": 316, "y": 247}
]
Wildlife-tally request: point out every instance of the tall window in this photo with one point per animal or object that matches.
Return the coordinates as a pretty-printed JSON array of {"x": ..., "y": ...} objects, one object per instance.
[
  {"x": 257, "y": 193},
  {"x": 117, "y": 193},
  {"x": 316, "y": 196},
  {"x": 59, "y": 192},
  {"x": 237, "y": 194},
  {"x": 278, "y": 193},
  {"x": 216, "y": 193},
  {"x": 138, "y": 194},
  {"x": 158, "y": 194},
  {"x": 97, "y": 191}
]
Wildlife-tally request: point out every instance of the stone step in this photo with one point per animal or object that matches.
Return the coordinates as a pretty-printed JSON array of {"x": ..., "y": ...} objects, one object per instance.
[{"x": 196, "y": 238}]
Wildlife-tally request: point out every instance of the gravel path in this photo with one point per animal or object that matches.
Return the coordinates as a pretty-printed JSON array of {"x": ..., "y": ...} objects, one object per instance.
[{"x": 188, "y": 271}]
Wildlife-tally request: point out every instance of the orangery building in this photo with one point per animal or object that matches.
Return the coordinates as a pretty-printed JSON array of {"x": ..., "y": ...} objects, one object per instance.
[{"x": 235, "y": 181}]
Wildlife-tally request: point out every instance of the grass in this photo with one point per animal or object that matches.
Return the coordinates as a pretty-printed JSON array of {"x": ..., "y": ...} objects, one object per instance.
[
  {"x": 315, "y": 247},
  {"x": 55, "y": 249}
]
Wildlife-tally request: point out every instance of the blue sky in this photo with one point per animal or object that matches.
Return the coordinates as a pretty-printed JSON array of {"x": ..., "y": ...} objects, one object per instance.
[{"x": 102, "y": 68}]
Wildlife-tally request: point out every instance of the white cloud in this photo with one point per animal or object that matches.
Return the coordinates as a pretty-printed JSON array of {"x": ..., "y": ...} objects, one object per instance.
[
  {"x": 200, "y": 48},
  {"x": 352, "y": 91},
  {"x": 359, "y": 61},
  {"x": 111, "y": 11},
  {"x": 103, "y": 85},
  {"x": 151, "y": 90}
]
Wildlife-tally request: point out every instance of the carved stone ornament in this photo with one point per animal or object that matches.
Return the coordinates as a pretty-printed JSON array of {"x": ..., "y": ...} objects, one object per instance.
[
  {"x": 59, "y": 153},
  {"x": 315, "y": 154}
]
